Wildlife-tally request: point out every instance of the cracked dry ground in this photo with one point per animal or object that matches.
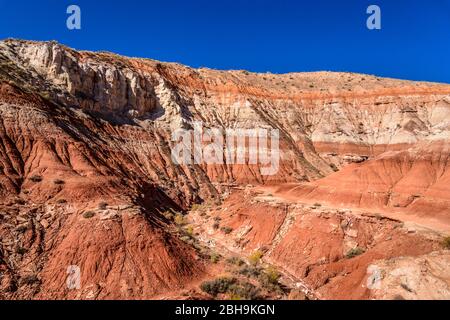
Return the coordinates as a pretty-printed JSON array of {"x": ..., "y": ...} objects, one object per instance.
[{"x": 87, "y": 180}]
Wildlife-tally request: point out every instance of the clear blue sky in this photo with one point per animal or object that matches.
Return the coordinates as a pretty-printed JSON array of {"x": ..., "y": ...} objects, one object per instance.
[{"x": 257, "y": 35}]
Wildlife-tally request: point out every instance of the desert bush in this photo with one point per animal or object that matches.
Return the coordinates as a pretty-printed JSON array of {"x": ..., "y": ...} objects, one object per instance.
[
  {"x": 29, "y": 279},
  {"x": 22, "y": 228},
  {"x": 446, "y": 242},
  {"x": 226, "y": 230},
  {"x": 88, "y": 214},
  {"x": 214, "y": 257},
  {"x": 272, "y": 274},
  {"x": 269, "y": 279},
  {"x": 180, "y": 219},
  {"x": 250, "y": 271},
  {"x": 196, "y": 207},
  {"x": 235, "y": 261},
  {"x": 186, "y": 239},
  {"x": 217, "y": 286},
  {"x": 168, "y": 215},
  {"x": 255, "y": 257},
  {"x": 58, "y": 182},
  {"x": 36, "y": 178},
  {"x": 103, "y": 205},
  {"x": 354, "y": 252},
  {"x": 61, "y": 201},
  {"x": 245, "y": 291},
  {"x": 20, "y": 201},
  {"x": 216, "y": 225},
  {"x": 189, "y": 231},
  {"x": 21, "y": 250}
]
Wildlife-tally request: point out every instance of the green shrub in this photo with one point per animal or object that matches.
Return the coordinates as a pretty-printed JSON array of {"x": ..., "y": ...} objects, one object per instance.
[
  {"x": 20, "y": 201},
  {"x": 22, "y": 228},
  {"x": 214, "y": 257},
  {"x": 250, "y": 271},
  {"x": 36, "y": 178},
  {"x": 88, "y": 214},
  {"x": 30, "y": 280},
  {"x": 217, "y": 286},
  {"x": 186, "y": 239},
  {"x": 245, "y": 291},
  {"x": 196, "y": 207},
  {"x": 272, "y": 275},
  {"x": 235, "y": 261},
  {"x": 102, "y": 205},
  {"x": 189, "y": 231},
  {"x": 255, "y": 257},
  {"x": 168, "y": 215},
  {"x": 354, "y": 252},
  {"x": 269, "y": 279},
  {"x": 226, "y": 230},
  {"x": 21, "y": 250},
  {"x": 180, "y": 219}
]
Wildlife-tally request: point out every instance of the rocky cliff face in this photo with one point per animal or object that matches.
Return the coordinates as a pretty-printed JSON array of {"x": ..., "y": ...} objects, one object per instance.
[{"x": 85, "y": 157}]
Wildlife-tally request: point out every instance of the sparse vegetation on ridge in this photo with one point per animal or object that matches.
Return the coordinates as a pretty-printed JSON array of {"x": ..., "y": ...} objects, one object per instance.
[{"x": 354, "y": 253}]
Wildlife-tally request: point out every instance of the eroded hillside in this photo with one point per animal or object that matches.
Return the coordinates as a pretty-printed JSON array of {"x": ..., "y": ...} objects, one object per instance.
[{"x": 87, "y": 178}]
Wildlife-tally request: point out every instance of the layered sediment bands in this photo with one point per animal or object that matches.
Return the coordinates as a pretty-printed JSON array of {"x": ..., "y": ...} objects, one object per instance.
[
  {"x": 313, "y": 244},
  {"x": 413, "y": 182},
  {"x": 335, "y": 113},
  {"x": 87, "y": 176}
]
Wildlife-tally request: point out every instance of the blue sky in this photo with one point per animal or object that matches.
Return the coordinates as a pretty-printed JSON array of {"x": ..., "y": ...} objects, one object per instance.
[{"x": 257, "y": 35}]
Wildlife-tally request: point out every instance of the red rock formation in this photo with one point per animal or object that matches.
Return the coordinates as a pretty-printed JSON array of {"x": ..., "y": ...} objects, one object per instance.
[{"x": 87, "y": 178}]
